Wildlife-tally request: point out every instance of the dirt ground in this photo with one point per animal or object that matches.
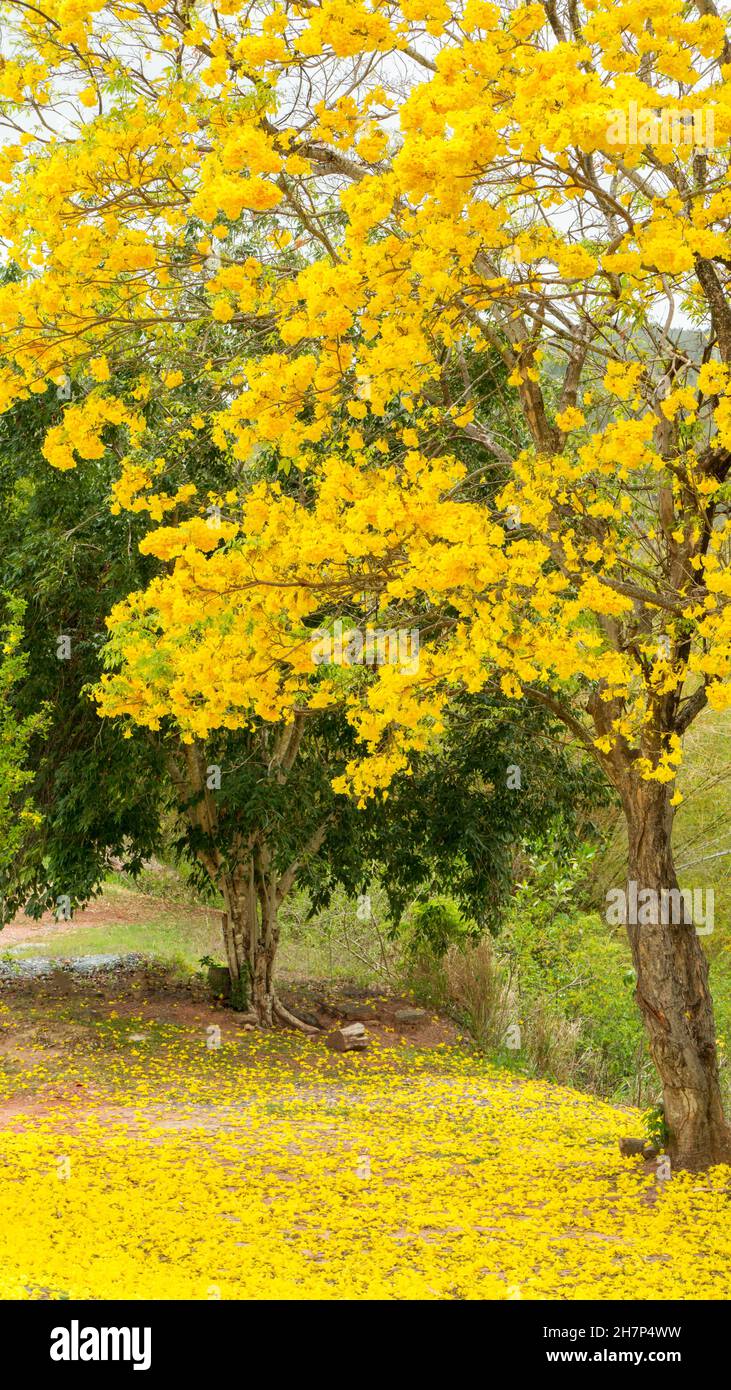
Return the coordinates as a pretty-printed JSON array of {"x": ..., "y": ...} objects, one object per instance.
[
  {"x": 119, "y": 910},
  {"x": 42, "y": 1019},
  {"x": 158, "y": 995}
]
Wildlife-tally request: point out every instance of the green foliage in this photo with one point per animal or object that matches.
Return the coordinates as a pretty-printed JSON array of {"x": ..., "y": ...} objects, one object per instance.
[
  {"x": 18, "y": 816},
  {"x": 240, "y": 994},
  {"x": 552, "y": 994},
  {"x": 68, "y": 558},
  {"x": 656, "y": 1126},
  {"x": 436, "y": 925},
  {"x": 577, "y": 967},
  {"x": 452, "y": 827}
]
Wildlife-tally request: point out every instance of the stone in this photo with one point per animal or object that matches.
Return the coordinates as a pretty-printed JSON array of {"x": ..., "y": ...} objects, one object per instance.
[
  {"x": 327, "y": 1006},
  {"x": 311, "y": 1019},
  {"x": 351, "y": 1038},
  {"x": 634, "y": 1148},
  {"x": 410, "y": 1015},
  {"x": 359, "y": 1013}
]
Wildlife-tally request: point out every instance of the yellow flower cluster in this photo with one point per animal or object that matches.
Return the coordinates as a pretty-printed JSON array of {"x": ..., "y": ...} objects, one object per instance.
[{"x": 375, "y": 243}]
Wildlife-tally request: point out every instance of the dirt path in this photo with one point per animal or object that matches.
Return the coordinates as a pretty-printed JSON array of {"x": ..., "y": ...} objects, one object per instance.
[{"x": 121, "y": 908}]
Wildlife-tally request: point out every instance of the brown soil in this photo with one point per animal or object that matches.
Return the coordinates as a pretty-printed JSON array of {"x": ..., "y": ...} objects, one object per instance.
[
  {"x": 119, "y": 910},
  {"x": 41, "y": 1018}
]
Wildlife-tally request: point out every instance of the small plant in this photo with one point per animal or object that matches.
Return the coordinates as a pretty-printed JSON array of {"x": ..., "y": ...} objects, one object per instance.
[
  {"x": 239, "y": 998},
  {"x": 480, "y": 991},
  {"x": 435, "y": 926},
  {"x": 656, "y": 1126}
]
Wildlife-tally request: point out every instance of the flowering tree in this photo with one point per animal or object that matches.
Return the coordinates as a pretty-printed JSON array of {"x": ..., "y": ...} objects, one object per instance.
[
  {"x": 252, "y": 809},
  {"x": 434, "y": 186}
]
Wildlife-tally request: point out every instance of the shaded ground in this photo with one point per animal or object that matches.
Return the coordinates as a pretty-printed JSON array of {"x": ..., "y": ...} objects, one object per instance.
[{"x": 70, "y": 999}]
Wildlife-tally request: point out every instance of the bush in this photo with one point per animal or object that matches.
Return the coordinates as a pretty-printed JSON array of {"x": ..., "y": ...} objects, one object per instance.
[
  {"x": 478, "y": 988},
  {"x": 564, "y": 978},
  {"x": 436, "y": 925}
]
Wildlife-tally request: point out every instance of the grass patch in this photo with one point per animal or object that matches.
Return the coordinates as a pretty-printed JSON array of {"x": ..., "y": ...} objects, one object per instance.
[{"x": 174, "y": 938}]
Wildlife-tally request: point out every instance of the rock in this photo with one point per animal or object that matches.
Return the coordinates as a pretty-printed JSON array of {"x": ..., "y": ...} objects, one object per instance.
[
  {"x": 327, "y": 1007},
  {"x": 635, "y": 1148},
  {"x": 356, "y": 1012},
  {"x": 410, "y": 1015},
  {"x": 351, "y": 1038},
  {"x": 307, "y": 1017}
]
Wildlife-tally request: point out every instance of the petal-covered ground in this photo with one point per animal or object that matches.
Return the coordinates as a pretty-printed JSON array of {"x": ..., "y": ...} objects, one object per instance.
[{"x": 142, "y": 1160}]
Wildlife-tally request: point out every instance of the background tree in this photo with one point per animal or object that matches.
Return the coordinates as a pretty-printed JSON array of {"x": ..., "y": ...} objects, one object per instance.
[
  {"x": 98, "y": 796},
  {"x": 17, "y": 813},
  {"x": 254, "y": 810}
]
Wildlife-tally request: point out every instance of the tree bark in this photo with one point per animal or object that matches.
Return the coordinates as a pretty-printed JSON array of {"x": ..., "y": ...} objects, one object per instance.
[
  {"x": 250, "y": 946},
  {"x": 251, "y": 937},
  {"x": 252, "y": 890},
  {"x": 673, "y": 990}
]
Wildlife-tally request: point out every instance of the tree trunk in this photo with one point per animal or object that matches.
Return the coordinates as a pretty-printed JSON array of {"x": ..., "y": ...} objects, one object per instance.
[
  {"x": 262, "y": 998},
  {"x": 250, "y": 944},
  {"x": 247, "y": 878},
  {"x": 251, "y": 937},
  {"x": 672, "y": 985}
]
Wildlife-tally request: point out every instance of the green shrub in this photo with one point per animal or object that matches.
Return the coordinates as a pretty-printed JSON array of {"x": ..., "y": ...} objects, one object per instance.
[{"x": 436, "y": 925}]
